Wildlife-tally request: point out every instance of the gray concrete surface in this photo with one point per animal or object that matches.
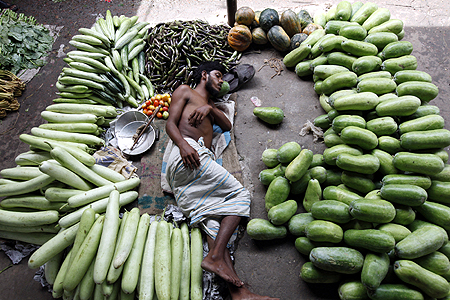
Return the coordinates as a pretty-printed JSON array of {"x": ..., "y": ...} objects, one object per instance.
[{"x": 269, "y": 268}]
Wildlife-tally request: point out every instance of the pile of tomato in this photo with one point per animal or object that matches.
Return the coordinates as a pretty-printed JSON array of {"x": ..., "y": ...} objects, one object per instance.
[{"x": 159, "y": 99}]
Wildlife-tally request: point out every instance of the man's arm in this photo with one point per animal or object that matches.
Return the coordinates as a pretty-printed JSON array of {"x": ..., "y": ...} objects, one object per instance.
[
  {"x": 197, "y": 116},
  {"x": 188, "y": 154}
]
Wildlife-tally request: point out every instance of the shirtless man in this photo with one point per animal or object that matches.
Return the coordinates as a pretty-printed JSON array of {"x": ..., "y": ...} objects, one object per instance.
[{"x": 192, "y": 115}]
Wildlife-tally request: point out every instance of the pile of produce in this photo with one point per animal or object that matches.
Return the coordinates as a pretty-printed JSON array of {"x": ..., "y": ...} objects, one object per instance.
[
  {"x": 113, "y": 257},
  {"x": 376, "y": 210},
  {"x": 120, "y": 61},
  {"x": 150, "y": 105},
  {"x": 176, "y": 48},
  {"x": 284, "y": 31},
  {"x": 24, "y": 42},
  {"x": 108, "y": 65},
  {"x": 59, "y": 198},
  {"x": 58, "y": 178},
  {"x": 11, "y": 87}
]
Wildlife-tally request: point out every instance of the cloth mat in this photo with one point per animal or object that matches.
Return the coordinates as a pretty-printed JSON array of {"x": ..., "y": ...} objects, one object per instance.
[
  {"x": 112, "y": 158},
  {"x": 154, "y": 191}
]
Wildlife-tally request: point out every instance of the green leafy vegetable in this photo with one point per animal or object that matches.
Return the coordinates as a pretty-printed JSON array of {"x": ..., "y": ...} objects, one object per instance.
[{"x": 23, "y": 43}]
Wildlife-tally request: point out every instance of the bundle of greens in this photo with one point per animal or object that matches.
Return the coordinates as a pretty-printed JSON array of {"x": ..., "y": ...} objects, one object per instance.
[
  {"x": 11, "y": 87},
  {"x": 23, "y": 42}
]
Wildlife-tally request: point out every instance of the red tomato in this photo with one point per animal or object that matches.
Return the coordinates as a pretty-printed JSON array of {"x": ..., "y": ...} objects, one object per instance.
[
  {"x": 148, "y": 102},
  {"x": 155, "y": 103},
  {"x": 159, "y": 115},
  {"x": 165, "y": 108},
  {"x": 149, "y": 112},
  {"x": 145, "y": 110}
]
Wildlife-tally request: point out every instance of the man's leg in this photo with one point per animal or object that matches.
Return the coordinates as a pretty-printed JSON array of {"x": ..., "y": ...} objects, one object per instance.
[
  {"x": 218, "y": 260},
  {"x": 237, "y": 292}
]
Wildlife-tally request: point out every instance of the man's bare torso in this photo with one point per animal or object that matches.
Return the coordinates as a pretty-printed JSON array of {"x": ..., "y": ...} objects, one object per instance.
[{"x": 204, "y": 129}]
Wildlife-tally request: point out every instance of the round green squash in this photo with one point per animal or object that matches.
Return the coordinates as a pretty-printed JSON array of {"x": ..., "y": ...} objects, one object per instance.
[
  {"x": 304, "y": 18},
  {"x": 224, "y": 89},
  {"x": 278, "y": 38},
  {"x": 297, "y": 39},
  {"x": 268, "y": 18}
]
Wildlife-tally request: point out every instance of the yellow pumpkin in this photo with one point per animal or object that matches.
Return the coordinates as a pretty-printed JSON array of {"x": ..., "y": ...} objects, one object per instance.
[
  {"x": 245, "y": 16},
  {"x": 239, "y": 37}
]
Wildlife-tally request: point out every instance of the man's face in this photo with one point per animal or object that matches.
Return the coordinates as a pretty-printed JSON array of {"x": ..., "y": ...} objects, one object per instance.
[{"x": 214, "y": 82}]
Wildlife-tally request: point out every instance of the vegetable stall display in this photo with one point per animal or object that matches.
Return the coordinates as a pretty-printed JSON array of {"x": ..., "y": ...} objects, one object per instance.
[
  {"x": 376, "y": 214},
  {"x": 59, "y": 198}
]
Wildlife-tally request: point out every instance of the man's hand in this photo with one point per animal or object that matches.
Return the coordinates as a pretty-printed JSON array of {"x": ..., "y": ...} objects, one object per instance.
[
  {"x": 190, "y": 157},
  {"x": 197, "y": 116}
]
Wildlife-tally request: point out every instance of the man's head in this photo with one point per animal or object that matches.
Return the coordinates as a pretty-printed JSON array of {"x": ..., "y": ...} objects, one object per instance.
[
  {"x": 212, "y": 70},
  {"x": 207, "y": 66}
]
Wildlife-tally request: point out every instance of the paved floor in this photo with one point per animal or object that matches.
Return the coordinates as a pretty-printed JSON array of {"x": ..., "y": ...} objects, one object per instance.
[{"x": 270, "y": 268}]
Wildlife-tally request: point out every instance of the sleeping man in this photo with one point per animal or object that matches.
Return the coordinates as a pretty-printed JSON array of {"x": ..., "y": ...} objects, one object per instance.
[{"x": 206, "y": 192}]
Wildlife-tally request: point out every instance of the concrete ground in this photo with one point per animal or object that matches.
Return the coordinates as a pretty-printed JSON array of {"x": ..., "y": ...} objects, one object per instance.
[{"x": 270, "y": 268}]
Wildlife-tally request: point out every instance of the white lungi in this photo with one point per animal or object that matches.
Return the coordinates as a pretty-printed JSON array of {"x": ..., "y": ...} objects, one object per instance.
[{"x": 208, "y": 193}]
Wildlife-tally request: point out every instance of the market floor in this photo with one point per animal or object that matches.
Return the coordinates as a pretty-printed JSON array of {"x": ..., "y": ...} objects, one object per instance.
[{"x": 270, "y": 268}]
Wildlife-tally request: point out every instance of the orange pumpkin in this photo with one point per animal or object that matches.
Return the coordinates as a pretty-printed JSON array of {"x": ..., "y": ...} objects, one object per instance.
[
  {"x": 245, "y": 16},
  {"x": 239, "y": 37}
]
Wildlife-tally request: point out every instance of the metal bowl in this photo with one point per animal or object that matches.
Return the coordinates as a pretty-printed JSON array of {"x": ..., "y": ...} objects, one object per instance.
[
  {"x": 125, "y": 138},
  {"x": 128, "y": 117}
]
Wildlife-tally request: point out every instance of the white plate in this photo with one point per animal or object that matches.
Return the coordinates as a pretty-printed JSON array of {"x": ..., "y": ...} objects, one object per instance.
[
  {"x": 125, "y": 138},
  {"x": 127, "y": 117}
]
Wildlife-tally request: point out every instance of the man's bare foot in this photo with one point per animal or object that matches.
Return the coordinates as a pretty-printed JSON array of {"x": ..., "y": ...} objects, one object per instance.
[
  {"x": 242, "y": 293},
  {"x": 219, "y": 267}
]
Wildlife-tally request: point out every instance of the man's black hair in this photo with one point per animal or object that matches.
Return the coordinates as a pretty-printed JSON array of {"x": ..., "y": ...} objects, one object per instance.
[{"x": 207, "y": 66}]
